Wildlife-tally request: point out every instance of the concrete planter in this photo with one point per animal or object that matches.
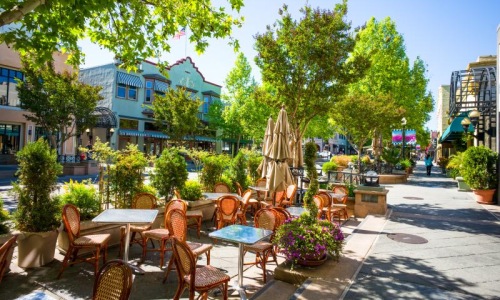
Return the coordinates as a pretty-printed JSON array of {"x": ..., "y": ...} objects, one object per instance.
[
  {"x": 462, "y": 186},
  {"x": 4, "y": 238},
  {"x": 207, "y": 207},
  {"x": 36, "y": 249}
]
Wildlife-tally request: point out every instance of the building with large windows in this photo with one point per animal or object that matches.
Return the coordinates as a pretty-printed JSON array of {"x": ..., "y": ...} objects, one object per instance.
[
  {"x": 127, "y": 95},
  {"x": 15, "y": 130}
]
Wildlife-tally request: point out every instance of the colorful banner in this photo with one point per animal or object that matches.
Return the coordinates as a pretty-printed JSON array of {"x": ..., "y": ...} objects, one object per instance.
[{"x": 410, "y": 136}]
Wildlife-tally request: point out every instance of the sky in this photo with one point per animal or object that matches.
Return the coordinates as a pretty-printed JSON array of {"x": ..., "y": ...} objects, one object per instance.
[{"x": 445, "y": 34}]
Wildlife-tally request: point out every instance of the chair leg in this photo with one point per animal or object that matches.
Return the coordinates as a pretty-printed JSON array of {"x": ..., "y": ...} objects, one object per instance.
[
  {"x": 169, "y": 268},
  {"x": 180, "y": 289},
  {"x": 96, "y": 260},
  {"x": 144, "y": 248},
  {"x": 225, "y": 290},
  {"x": 208, "y": 257},
  {"x": 65, "y": 261}
]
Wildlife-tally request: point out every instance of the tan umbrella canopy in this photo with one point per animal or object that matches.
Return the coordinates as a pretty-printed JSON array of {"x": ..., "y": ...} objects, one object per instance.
[
  {"x": 266, "y": 144},
  {"x": 279, "y": 175}
]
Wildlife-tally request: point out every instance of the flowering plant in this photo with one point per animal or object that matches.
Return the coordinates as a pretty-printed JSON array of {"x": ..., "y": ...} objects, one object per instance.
[
  {"x": 306, "y": 237},
  {"x": 298, "y": 241}
]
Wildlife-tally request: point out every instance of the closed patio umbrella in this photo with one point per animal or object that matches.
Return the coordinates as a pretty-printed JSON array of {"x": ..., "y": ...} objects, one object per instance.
[
  {"x": 266, "y": 144},
  {"x": 279, "y": 175}
]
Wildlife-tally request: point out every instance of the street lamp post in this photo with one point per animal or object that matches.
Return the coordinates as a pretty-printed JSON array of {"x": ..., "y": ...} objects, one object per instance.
[{"x": 403, "y": 122}]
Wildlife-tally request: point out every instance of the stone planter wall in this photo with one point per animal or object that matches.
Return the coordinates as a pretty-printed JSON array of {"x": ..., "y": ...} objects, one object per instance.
[
  {"x": 370, "y": 201},
  {"x": 207, "y": 207}
]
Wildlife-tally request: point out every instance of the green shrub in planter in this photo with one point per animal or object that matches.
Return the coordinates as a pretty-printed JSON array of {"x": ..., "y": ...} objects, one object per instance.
[
  {"x": 4, "y": 217},
  {"x": 169, "y": 172},
  {"x": 329, "y": 166},
  {"x": 405, "y": 163},
  {"x": 191, "y": 191},
  {"x": 37, "y": 174},
  {"x": 84, "y": 196},
  {"x": 478, "y": 168},
  {"x": 238, "y": 170},
  {"x": 213, "y": 167}
]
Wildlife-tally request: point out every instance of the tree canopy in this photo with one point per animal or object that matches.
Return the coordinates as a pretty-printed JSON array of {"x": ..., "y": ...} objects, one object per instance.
[
  {"x": 132, "y": 29},
  {"x": 306, "y": 63},
  {"x": 59, "y": 103}
]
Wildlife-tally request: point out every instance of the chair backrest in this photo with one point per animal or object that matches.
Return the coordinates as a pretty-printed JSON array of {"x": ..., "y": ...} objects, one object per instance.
[
  {"x": 291, "y": 190},
  {"x": 282, "y": 214},
  {"x": 239, "y": 189},
  {"x": 184, "y": 260},
  {"x": 245, "y": 201},
  {"x": 266, "y": 218},
  {"x": 221, "y": 187},
  {"x": 144, "y": 201},
  {"x": 261, "y": 182},
  {"x": 177, "y": 224},
  {"x": 340, "y": 190},
  {"x": 318, "y": 200},
  {"x": 176, "y": 203},
  {"x": 114, "y": 281},
  {"x": 228, "y": 207},
  {"x": 327, "y": 200},
  {"x": 5, "y": 250},
  {"x": 177, "y": 194},
  {"x": 71, "y": 220}
]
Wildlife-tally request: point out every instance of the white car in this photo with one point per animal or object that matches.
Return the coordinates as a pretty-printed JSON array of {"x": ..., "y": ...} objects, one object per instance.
[{"x": 324, "y": 154}]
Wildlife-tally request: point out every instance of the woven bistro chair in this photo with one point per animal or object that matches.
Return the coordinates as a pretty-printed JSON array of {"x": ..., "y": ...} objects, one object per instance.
[
  {"x": 283, "y": 215},
  {"x": 227, "y": 210},
  {"x": 289, "y": 198},
  {"x": 242, "y": 211},
  {"x": 140, "y": 201},
  {"x": 339, "y": 207},
  {"x": 199, "y": 279},
  {"x": 265, "y": 218},
  {"x": 239, "y": 189},
  {"x": 6, "y": 249},
  {"x": 177, "y": 226},
  {"x": 327, "y": 202},
  {"x": 114, "y": 281},
  {"x": 195, "y": 215},
  {"x": 219, "y": 187},
  {"x": 318, "y": 200},
  {"x": 261, "y": 182},
  {"x": 162, "y": 235},
  {"x": 96, "y": 242}
]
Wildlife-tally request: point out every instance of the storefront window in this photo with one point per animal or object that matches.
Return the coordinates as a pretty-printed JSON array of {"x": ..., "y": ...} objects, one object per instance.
[{"x": 9, "y": 138}]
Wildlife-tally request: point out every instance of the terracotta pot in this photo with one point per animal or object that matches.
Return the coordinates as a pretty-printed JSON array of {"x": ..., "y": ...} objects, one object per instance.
[
  {"x": 312, "y": 262},
  {"x": 36, "y": 249},
  {"x": 484, "y": 196}
]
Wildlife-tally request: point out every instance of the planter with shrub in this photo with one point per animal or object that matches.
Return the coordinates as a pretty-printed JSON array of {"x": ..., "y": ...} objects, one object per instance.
[{"x": 479, "y": 170}]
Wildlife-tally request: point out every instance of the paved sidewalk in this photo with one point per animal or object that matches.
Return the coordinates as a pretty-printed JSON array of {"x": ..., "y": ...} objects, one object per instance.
[{"x": 461, "y": 258}]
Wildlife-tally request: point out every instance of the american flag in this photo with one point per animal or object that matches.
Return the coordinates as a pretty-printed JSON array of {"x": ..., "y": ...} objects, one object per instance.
[{"x": 182, "y": 32}]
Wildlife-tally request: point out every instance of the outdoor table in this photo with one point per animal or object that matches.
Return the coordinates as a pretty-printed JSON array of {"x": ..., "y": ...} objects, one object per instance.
[
  {"x": 215, "y": 196},
  {"x": 243, "y": 235},
  {"x": 296, "y": 211},
  {"x": 127, "y": 217}
]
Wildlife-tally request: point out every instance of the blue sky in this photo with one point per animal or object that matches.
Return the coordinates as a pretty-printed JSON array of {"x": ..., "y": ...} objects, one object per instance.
[{"x": 445, "y": 34}]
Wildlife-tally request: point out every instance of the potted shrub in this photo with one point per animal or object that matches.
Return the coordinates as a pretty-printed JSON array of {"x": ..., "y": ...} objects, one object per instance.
[
  {"x": 169, "y": 172},
  {"x": 406, "y": 165},
  {"x": 479, "y": 171},
  {"x": 329, "y": 166},
  {"x": 306, "y": 240},
  {"x": 191, "y": 191},
  {"x": 38, "y": 214},
  {"x": 213, "y": 168}
]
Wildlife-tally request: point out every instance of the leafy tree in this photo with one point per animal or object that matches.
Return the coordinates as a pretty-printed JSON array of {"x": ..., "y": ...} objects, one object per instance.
[
  {"x": 169, "y": 173},
  {"x": 132, "y": 29},
  {"x": 57, "y": 102},
  {"x": 391, "y": 78},
  {"x": 306, "y": 63},
  {"x": 213, "y": 168},
  {"x": 358, "y": 116},
  {"x": 319, "y": 127},
  {"x": 176, "y": 114}
]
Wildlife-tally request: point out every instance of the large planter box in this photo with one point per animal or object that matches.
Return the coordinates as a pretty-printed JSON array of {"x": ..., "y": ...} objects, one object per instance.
[
  {"x": 370, "y": 201},
  {"x": 36, "y": 249},
  {"x": 392, "y": 178},
  {"x": 207, "y": 207},
  {"x": 462, "y": 186}
]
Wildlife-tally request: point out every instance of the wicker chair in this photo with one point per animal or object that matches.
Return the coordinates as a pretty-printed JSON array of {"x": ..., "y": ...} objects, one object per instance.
[
  {"x": 177, "y": 226},
  {"x": 221, "y": 187},
  {"x": 140, "y": 201},
  {"x": 261, "y": 182},
  {"x": 318, "y": 200},
  {"x": 339, "y": 208},
  {"x": 97, "y": 242},
  {"x": 195, "y": 215},
  {"x": 283, "y": 215},
  {"x": 114, "y": 281},
  {"x": 327, "y": 202},
  {"x": 265, "y": 218},
  {"x": 289, "y": 198},
  {"x": 227, "y": 209},
  {"x": 197, "y": 279},
  {"x": 242, "y": 211},
  {"x": 239, "y": 189},
  {"x": 162, "y": 235},
  {"x": 6, "y": 249}
]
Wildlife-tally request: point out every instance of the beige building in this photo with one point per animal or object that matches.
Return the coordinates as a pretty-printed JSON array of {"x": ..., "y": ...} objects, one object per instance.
[{"x": 15, "y": 130}]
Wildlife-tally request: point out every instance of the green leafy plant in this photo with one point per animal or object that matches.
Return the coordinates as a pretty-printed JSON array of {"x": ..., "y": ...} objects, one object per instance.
[
  {"x": 191, "y": 191},
  {"x": 169, "y": 172},
  {"x": 213, "y": 168},
  {"x": 405, "y": 163},
  {"x": 37, "y": 210},
  {"x": 306, "y": 237},
  {"x": 253, "y": 161},
  {"x": 443, "y": 162},
  {"x": 237, "y": 170},
  {"x": 350, "y": 188},
  {"x": 329, "y": 166},
  {"x": 84, "y": 196},
  {"x": 4, "y": 218},
  {"x": 341, "y": 160},
  {"x": 454, "y": 164},
  {"x": 479, "y": 168},
  {"x": 126, "y": 175}
]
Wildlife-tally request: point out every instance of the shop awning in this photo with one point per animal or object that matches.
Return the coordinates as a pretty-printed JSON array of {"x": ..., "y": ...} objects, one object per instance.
[
  {"x": 153, "y": 134},
  {"x": 129, "y": 79},
  {"x": 455, "y": 131},
  {"x": 161, "y": 86}
]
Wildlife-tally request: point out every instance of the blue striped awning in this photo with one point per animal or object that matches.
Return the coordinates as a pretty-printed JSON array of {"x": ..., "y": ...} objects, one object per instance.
[
  {"x": 161, "y": 86},
  {"x": 153, "y": 134},
  {"x": 129, "y": 79}
]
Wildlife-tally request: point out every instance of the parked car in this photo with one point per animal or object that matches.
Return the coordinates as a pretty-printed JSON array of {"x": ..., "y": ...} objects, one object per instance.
[{"x": 324, "y": 154}]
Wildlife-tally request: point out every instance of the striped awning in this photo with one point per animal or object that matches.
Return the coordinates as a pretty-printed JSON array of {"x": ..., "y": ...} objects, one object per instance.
[
  {"x": 153, "y": 134},
  {"x": 129, "y": 79},
  {"x": 161, "y": 86}
]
